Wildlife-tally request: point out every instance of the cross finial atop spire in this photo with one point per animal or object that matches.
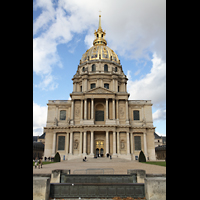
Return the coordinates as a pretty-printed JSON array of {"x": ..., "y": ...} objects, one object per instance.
[{"x": 99, "y": 19}]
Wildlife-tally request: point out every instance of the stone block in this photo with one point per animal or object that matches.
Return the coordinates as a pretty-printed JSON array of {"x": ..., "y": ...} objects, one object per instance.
[
  {"x": 41, "y": 188},
  {"x": 155, "y": 188},
  {"x": 56, "y": 174},
  {"x": 141, "y": 174}
]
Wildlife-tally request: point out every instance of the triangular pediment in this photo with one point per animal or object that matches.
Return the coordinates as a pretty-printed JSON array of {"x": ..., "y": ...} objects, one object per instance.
[{"x": 100, "y": 90}]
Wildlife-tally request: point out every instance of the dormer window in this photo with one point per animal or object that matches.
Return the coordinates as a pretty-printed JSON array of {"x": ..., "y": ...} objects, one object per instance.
[
  {"x": 106, "y": 85},
  {"x": 105, "y": 68},
  {"x": 93, "y": 85},
  {"x": 93, "y": 68}
]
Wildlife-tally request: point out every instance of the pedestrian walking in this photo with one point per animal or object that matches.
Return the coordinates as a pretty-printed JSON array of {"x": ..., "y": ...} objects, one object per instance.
[
  {"x": 36, "y": 162},
  {"x": 40, "y": 163}
]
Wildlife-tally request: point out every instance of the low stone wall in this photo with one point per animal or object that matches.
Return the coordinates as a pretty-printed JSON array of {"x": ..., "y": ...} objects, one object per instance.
[
  {"x": 155, "y": 188},
  {"x": 41, "y": 188},
  {"x": 154, "y": 185},
  {"x": 96, "y": 190}
]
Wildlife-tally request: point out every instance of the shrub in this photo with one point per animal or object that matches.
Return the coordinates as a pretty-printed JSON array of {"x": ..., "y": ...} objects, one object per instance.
[
  {"x": 57, "y": 157},
  {"x": 142, "y": 157}
]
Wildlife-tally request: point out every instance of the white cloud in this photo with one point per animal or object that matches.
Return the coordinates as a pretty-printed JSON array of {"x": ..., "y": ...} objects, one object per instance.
[
  {"x": 159, "y": 115},
  {"x": 152, "y": 86},
  {"x": 134, "y": 29},
  {"x": 39, "y": 118}
]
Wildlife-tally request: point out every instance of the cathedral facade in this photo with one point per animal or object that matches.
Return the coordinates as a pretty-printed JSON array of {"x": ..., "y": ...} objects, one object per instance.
[{"x": 99, "y": 119}]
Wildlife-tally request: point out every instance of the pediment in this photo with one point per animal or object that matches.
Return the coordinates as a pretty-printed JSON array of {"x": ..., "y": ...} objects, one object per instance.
[{"x": 100, "y": 90}]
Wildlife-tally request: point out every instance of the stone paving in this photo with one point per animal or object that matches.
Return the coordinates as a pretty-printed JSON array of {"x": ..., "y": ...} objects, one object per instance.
[{"x": 119, "y": 165}]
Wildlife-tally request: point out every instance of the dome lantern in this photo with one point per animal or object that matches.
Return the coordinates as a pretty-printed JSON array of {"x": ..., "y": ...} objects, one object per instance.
[
  {"x": 100, "y": 50},
  {"x": 99, "y": 35}
]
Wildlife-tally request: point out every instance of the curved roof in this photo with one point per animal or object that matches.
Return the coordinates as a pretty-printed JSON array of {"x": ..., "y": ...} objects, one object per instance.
[{"x": 100, "y": 52}]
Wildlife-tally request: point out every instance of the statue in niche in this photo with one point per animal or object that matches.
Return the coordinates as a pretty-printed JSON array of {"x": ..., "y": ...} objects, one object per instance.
[
  {"x": 68, "y": 120},
  {"x": 122, "y": 145},
  {"x": 144, "y": 122},
  {"x": 77, "y": 111},
  {"x": 121, "y": 111},
  {"x": 76, "y": 144},
  {"x": 55, "y": 121}
]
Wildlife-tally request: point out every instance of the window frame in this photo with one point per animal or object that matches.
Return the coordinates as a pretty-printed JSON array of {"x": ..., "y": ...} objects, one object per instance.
[
  {"x": 104, "y": 68},
  {"x": 106, "y": 84},
  {"x": 93, "y": 68},
  {"x": 62, "y": 144},
  {"x": 135, "y": 116},
  {"x": 92, "y": 84},
  {"x": 65, "y": 115},
  {"x": 140, "y": 145}
]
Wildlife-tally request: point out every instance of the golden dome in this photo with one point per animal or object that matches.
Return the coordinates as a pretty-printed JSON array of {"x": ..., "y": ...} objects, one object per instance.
[{"x": 99, "y": 50}]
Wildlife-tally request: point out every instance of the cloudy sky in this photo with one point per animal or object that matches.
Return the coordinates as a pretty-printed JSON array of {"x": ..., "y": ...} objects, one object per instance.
[{"x": 63, "y": 30}]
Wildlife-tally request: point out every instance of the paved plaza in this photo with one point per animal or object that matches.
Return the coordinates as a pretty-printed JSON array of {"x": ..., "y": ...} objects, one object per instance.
[{"x": 119, "y": 165}]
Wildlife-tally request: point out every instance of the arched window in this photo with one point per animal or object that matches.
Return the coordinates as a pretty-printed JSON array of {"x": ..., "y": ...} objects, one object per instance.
[
  {"x": 93, "y": 68},
  {"x": 105, "y": 68},
  {"x": 83, "y": 69},
  {"x": 115, "y": 69}
]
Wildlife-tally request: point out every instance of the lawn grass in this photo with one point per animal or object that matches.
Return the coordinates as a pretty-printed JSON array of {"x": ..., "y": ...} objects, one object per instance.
[
  {"x": 160, "y": 163},
  {"x": 44, "y": 163}
]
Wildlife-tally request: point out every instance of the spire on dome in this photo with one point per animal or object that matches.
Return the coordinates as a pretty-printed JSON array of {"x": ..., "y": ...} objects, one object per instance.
[
  {"x": 99, "y": 35},
  {"x": 99, "y": 21}
]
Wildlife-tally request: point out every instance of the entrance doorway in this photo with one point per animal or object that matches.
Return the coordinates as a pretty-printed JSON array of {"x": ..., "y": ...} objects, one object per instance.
[{"x": 99, "y": 146}]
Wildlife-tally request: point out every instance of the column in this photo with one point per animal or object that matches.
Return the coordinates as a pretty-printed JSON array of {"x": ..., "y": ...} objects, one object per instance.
[
  {"x": 54, "y": 144},
  {"x": 117, "y": 109},
  {"x": 118, "y": 143},
  {"x": 114, "y": 143},
  {"x": 92, "y": 108},
  {"x": 67, "y": 143},
  {"x": 72, "y": 112},
  {"x": 127, "y": 120},
  {"x": 80, "y": 144},
  {"x": 81, "y": 109},
  {"x": 107, "y": 142},
  {"x": 128, "y": 144},
  {"x": 84, "y": 143},
  {"x": 145, "y": 145},
  {"x": 113, "y": 108},
  {"x": 131, "y": 143},
  {"x": 106, "y": 109},
  {"x": 70, "y": 145},
  {"x": 92, "y": 143},
  {"x": 85, "y": 109},
  {"x": 132, "y": 154}
]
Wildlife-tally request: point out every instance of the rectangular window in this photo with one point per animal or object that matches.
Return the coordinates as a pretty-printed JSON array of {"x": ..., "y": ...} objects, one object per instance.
[
  {"x": 137, "y": 140},
  {"x": 93, "y": 85},
  {"x": 106, "y": 85},
  {"x": 136, "y": 115},
  {"x": 61, "y": 142},
  {"x": 99, "y": 115},
  {"x": 63, "y": 115}
]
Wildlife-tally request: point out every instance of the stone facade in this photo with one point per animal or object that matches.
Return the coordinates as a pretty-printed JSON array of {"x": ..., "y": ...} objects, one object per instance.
[{"x": 99, "y": 118}]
